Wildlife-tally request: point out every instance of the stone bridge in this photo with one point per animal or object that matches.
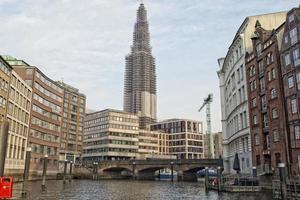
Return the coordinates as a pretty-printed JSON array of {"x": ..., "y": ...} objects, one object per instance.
[{"x": 145, "y": 169}]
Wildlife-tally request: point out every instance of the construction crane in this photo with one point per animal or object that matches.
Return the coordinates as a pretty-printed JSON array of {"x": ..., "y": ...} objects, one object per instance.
[{"x": 207, "y": 101}]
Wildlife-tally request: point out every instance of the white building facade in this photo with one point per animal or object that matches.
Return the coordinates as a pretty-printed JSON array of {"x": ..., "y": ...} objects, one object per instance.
[{"x": 233, "y": 92}]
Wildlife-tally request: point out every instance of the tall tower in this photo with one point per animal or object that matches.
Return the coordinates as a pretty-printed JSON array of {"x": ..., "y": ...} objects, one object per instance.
[{"x": 140, "y": 76}]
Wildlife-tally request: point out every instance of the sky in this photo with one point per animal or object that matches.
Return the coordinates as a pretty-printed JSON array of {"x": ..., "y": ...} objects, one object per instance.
[{"x": 85, "y": 43}]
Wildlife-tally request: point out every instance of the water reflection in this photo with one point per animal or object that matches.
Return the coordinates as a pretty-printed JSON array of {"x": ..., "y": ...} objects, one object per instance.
[{"x": 131, "y": 190}]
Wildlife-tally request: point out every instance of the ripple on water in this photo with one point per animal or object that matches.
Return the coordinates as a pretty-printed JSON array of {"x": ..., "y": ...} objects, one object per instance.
[{"x": 128, "y": 190}]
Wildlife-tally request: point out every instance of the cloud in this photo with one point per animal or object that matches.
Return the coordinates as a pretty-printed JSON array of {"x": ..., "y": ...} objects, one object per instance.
[{"x": 85, "y": 42}]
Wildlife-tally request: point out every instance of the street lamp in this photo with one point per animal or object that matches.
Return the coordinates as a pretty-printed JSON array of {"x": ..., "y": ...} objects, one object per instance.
[
  {"x": 172, "y": 172},
  {"x": 133, "y": 170}
]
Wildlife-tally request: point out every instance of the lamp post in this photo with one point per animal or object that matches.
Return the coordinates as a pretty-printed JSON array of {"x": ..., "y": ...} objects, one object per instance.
[
  {"x": 44, "y": 172},
  {"x": 26, "y": 171},
  {"x": 95, "y": 170},
  {"x": 133, "y": 170},
  {"x": 172, "y": 172}
]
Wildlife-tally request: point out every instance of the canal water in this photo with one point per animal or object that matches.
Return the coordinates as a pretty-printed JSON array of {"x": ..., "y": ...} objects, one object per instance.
[{"x": 128, "y": 190}]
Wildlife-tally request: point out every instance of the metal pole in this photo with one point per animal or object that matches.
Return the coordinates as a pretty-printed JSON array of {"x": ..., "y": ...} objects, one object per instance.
[
  {"x": 206, "y": 178},
  {"x": 159, "y": 174},
  {"x": 44, "y": 172},
  {"x": 3, "y": 145},
  {"x": 26, "y": 172},
  {"x": 65, "y": 171},
  {"x": 172, "y": 172},
  {"x": 219, "y": 178},
  {"x": 133, "y": 170},
  {"x": 71, "y": 168}
]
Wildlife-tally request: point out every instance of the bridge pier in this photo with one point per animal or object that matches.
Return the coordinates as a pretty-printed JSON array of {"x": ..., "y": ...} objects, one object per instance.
[
  {"x": 148, "y": 175},
  {"x": 189, "y": 176}
]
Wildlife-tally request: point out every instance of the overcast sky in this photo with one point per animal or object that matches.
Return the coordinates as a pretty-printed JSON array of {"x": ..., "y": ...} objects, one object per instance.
[{"x": 85, "y": 44}]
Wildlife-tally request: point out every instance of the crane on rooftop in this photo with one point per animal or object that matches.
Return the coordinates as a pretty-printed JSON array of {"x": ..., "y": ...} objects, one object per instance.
[{"x": 207, "y": 101}]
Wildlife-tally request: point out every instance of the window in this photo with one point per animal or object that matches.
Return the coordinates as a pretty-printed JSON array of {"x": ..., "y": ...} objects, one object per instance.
[
  {"x": 273, "y": 93},
  {"x": 291, "y": 18},
  {"x": 293, "y": 35},
  {"x": 270, "y": 58},
  {"x": 264, "y": 102},
  {"x": 291, "y": 82},
  {"x": 254, "y": 102},
  {"x": 294, "y": 108},
  {"x": 274, "y": 113},
  {"x": 258, "y": 49},
  {"x": 252, "y": 85},
  {"x": 252, "y": 71},
  {"x": 256, "y": 139},
  {"x": 287, "y": 59},
  {"x": 296, "y": 57},
  {"x": 261, "y": 67},
  {"x": 286, "y": 39},
  {"x": 254, "y": 119},
  {"x": 262, "y": 84},
  {"x": 273, "y": 73},
  {"x": 275, "y": 136},
  {"x": 298, "y": 80},
  {"x": 297, "y": 132}
]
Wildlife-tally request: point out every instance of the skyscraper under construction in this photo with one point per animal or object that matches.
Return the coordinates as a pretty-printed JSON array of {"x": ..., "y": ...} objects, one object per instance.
[{"x": 140, "y": 76}]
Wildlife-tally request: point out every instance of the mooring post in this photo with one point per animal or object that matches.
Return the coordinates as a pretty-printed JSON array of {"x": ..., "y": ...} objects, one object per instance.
[
  {"x": 71, "y": 168},
  {"x": 65, "y": 171},
  {"x": 44, "y": 172},
  {"x": 172, "y": 171},
  {"x": 26, "y": 171},
  {"x": 206, "y": 178},
  {"x": 219, "y": 178},
  {"x": 282, "y": 176},
  {"x": 3, "y": 145}
]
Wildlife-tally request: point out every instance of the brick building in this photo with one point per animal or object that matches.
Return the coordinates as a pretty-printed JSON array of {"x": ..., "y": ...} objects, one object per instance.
[
  {"x": 265, "y": 100},
  {"x": 45, "y": 117},
  {"x": 290, "y": 66}
]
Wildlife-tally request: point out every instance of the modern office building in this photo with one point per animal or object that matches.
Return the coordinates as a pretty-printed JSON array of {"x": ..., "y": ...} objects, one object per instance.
[
  {"x": 18, "y": 114},
  {"x": 45, "y": 117},
  {"x": 110, "y": 135},
  {"x": 233, "y": 92},
  {"x": 140, "y": 76},
  {"x": 266, "y": 100},
  {"x": 290, "y": 67},
  {"x": 148, "y": 143},
  {"x": 185, "y": 137},
  {"x": 71, "y": 142},
  {"x": 217, "y": 144}
]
